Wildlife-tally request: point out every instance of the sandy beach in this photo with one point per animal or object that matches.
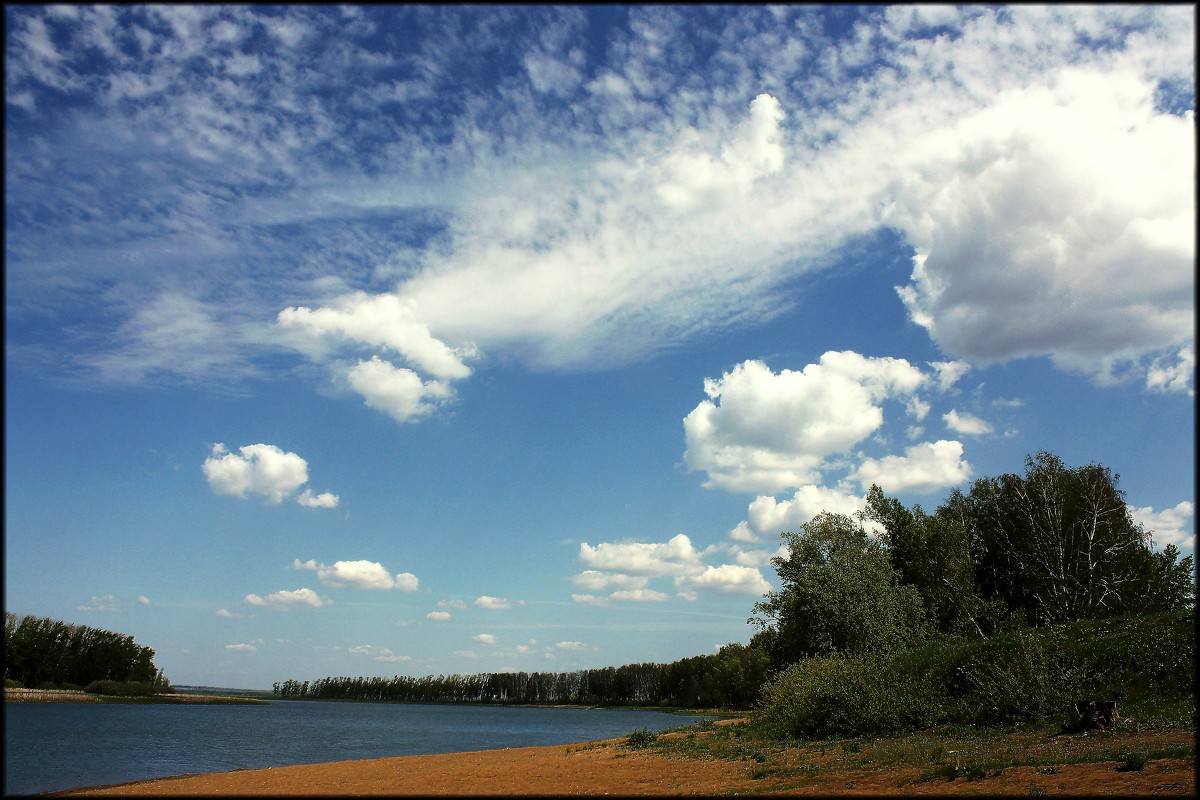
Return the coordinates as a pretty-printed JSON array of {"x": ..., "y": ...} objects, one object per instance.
[{"x": 608, "y": 767}]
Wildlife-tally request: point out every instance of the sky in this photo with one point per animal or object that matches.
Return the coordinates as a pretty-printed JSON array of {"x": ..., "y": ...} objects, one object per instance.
[{"x": 402, "y": 340}]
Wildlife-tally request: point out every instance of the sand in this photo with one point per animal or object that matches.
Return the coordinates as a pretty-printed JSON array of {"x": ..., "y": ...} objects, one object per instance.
[{"x": 609, "y": 767}]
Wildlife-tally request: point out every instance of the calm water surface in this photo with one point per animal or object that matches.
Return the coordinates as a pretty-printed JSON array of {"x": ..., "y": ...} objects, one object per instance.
[{"x": 53, "y": 746}]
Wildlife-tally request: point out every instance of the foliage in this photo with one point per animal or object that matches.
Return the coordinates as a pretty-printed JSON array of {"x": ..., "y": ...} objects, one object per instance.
[
  {"x": 41, "y": 651},
  {"x": 122, "y": 688},
  {"x": 840, "y": 593},
  {"x": 1017, "y": 677}
]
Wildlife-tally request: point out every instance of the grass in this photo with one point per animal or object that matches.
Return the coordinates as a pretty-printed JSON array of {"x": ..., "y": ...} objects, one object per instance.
[{"x": 943, "y": 753}]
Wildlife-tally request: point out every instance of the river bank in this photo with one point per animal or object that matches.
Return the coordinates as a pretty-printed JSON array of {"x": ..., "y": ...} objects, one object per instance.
[
  {"x": 613, "y": 767},
  {"x": 78, "y": 696}
]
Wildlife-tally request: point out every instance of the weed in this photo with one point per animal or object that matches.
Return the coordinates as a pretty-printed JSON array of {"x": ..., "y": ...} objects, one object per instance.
[
  {"x": 1135, "y": 761},
  {"x": 641, "y": 739}
]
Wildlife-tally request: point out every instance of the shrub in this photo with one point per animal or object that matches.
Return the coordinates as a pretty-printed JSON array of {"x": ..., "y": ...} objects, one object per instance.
[
  {"x": 9, "y": 683},
  {"x": 641, "y": 738}
]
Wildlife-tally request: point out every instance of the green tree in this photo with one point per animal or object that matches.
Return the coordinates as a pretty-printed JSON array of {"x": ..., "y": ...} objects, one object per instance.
[{"x": 839, "y": 594}]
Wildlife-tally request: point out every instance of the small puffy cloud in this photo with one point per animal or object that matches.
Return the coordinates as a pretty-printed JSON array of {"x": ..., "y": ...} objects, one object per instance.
[
  {"x": 485, "y": 638},
  {"x": 438, "y": 616},
  {"x": 242, "y": 648},
  {"x": 674, "y": 557},
  {"x": 727, "y": 579},
  {"x": 578, "y": 647},
  {"x": 264, "y": 470},
  {"x": 1169, "y": 526},
  {"x": 923, "y": 468},
  {"x": 966, "y": 424},
  {"x": 595, "y": 580},
  {"x": 359, "y": 575},
  {"x": 323, "y": 500},
  {"x": 396, "y": 391},
  {"x": 589, "y": 599},
  {"x": 143, "y": 600},
  {"x": 106, "y": 602},
  {"x": 763, "y": 431},
  {"x": 289, "y": 599},
  {"x": 225, "y": 613},
  {"x": 459, "y": 604},
  {"x": 377, "y": 653},
  {"x": 497, "y": 603}
]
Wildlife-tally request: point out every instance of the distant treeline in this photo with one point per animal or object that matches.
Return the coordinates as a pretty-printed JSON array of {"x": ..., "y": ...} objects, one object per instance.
[
  {"x": 46, "y": 653},
  {"x": 1055, "y": 546},
  {"x": 730, "y": 678}
]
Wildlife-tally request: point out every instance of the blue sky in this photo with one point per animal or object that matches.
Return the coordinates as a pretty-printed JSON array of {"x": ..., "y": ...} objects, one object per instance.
[{"x": 406, "y": 340}]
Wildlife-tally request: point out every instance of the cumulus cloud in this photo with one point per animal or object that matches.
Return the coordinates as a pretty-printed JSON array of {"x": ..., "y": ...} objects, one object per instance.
[
  {"x": 264, "y": 470},
  {"x": 396, "y": 391},
  {"x": 925, "y": 467},
  {"x": 771, "y": 517},
  {"x": 289, "y": 599},
  {"x": 578, "y": 647},
  {"x": 762, "y": 431},
  {"x": 727, "y": 579},
  {"x": 242, "y": 648},
  {"x": 142, "y": 600},
  {"x": 966, "y": 424},
  {"x": 1170, "y": 526},
  {"x": 1028, "y": 215},
  {"x": 640, "y": 595},
  {"x": 1177, "y": 376},
  {"x": 438, "y": 616},
  {"x": 485, "y": 638},
  {"x": 359, "y": 575},
  {"x": 674, "y": 557}
]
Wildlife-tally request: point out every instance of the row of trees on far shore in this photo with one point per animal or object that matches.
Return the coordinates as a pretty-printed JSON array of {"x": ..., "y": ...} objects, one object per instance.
[
  {"x": 40, "y": 652},
  {"x": 730, "y": 678},
  {"x": 1054, "y": 546}
]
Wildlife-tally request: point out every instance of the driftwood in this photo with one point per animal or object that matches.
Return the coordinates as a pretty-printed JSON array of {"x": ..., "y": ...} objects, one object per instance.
[{"x": 1088, "y": 715}]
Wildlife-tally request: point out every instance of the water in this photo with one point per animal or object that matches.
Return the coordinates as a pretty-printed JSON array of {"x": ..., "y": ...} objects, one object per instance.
[{"x": 55, "y": 746}]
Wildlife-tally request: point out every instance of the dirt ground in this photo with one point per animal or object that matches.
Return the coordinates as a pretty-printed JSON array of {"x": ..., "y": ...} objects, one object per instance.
[{"x": 610, "y": 768}]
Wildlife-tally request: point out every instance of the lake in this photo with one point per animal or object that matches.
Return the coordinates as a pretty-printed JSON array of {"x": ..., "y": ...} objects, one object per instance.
[{"x": 53, "y": 746}]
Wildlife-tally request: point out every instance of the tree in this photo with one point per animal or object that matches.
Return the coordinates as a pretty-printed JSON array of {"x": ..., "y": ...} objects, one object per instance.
[
  {"x": 1058, "y": 544},
  {"x": 839, "y": 594}
]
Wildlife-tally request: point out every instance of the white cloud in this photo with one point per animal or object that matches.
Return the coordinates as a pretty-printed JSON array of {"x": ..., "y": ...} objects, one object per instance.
[
  {"x": 485, "y": 638},
  {"x": 359, "y": 575},
  {"x": 1169, "y": 526},
  {"x": 1029, "y": 215},
  {"x": 674, "y": 557},
  {"x": 948, "y": 372},
  {"x": 1173, "y": 377},
  {"x": 323, "y": 500},
  {"x": 762, "y": 431},
  {"x": 105, "y": 602},
  {"x": 498, "y": 603},
  {"x": 589, "y": 599},
  {"x": 966, "y": 424},
  {"x": 727, "y": 579},
  {"x": 261, "y": 469},
  {"x": 288, "y": 599},
  {"x": 640, "y": 595},
  {"x": 242, "y": 648},
  {"x": 225, "y": 613},
  {"x": 142, "y": 600},
  {"x": 264, "y": 470},
  {"x": 578, "y": 647},
  {"x": 595, "y": 580},
  {"x": 438, "y": 616},
  {"x": 923, "y": 468},
  {"x": 771, "y": 517},
  {"x": 396, "y": 391},
  {"x": 459, "y": 604}
]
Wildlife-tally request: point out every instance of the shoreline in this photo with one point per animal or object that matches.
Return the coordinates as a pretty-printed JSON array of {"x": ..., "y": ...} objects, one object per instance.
[
  {"x": 611, "y": 767},
  {"x": 80, "y": 696}
]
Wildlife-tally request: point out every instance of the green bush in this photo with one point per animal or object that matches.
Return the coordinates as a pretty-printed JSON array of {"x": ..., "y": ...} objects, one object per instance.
[
  {"x": 641, "y": 738},
  {"x": 1020, "y": 677},
  {"x": 46, "y": 686},
  {"x": 9, "y": 683}
]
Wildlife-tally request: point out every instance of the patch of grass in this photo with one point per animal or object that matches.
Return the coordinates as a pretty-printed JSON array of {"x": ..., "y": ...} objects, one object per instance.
[{"x": 641, "y": 739}]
